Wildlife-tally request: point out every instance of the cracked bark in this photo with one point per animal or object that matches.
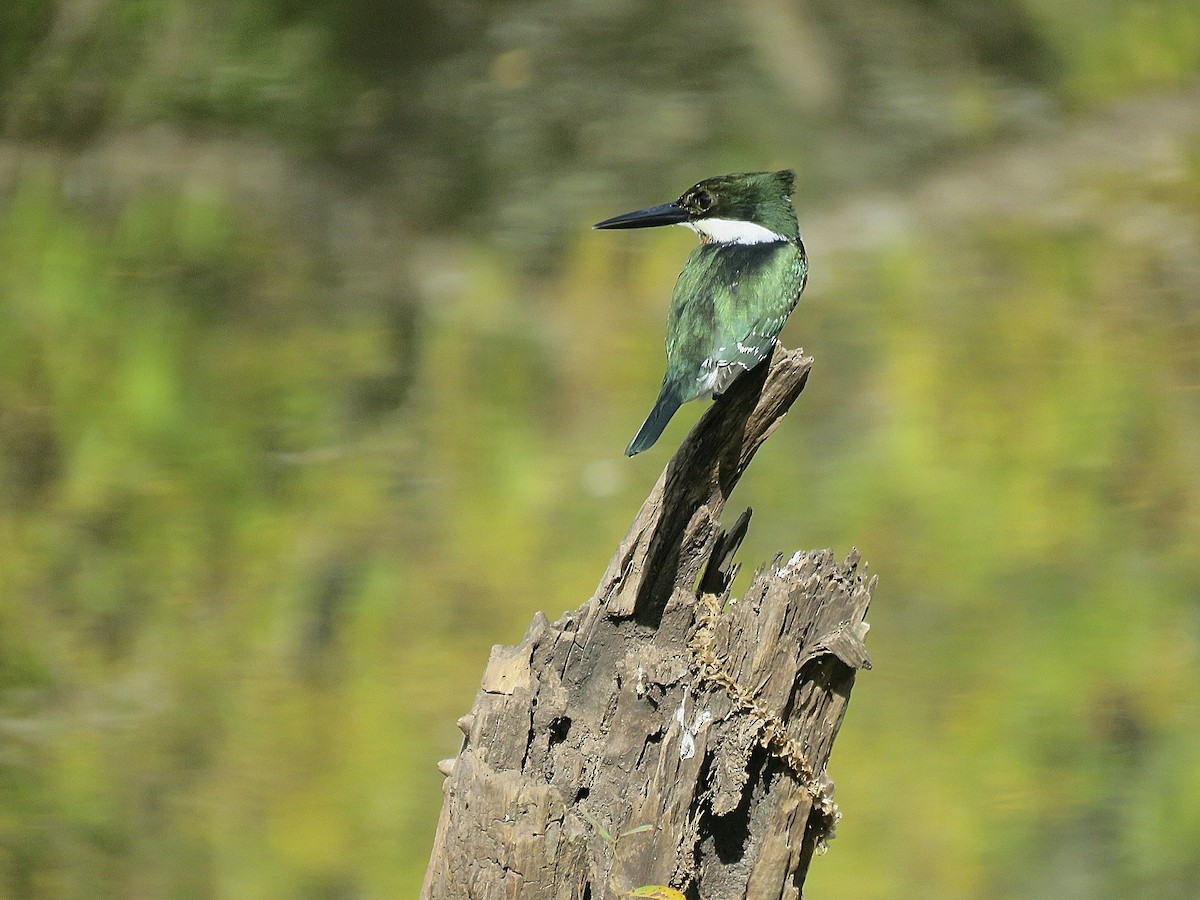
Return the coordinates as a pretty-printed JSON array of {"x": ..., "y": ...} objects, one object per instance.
[{"x": 662, "y": 702}]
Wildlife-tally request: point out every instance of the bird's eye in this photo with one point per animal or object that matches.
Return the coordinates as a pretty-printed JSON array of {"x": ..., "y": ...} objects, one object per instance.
[{"x": 704, "y": 200}]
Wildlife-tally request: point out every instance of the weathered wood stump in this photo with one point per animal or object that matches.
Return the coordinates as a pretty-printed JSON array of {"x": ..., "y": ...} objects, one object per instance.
[{"x": 661, "y": 702}]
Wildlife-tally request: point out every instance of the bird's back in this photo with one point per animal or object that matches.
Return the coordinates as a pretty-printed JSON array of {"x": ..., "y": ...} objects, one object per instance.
[{"x": 729, "y": 305}]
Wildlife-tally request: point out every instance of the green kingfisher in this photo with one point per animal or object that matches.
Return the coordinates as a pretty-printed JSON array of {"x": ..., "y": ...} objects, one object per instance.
[{"x": 735, "y": 291}]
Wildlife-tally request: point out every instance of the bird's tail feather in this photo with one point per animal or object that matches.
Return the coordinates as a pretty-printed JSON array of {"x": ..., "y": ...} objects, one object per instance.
[{"x": 668, "y": 401}]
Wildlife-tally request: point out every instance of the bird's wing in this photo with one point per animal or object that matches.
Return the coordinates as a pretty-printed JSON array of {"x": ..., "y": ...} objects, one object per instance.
[
  {"x": 752, "y": 314},
  {"x": 728, "y": 308}
]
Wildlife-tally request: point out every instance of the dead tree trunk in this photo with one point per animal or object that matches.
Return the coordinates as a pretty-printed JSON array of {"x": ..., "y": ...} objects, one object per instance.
[{"x": 661, "y": 702}]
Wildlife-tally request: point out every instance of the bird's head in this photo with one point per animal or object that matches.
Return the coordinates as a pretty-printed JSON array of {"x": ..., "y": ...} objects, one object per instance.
[{"x": 748, "y": 208}]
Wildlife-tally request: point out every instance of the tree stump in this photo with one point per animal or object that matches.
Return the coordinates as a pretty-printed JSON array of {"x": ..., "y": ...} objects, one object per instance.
[{"x": 662, "y": 733}]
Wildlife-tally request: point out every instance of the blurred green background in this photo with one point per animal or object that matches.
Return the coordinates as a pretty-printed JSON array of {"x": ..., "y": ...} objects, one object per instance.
[{"x": 314, "y": 384}]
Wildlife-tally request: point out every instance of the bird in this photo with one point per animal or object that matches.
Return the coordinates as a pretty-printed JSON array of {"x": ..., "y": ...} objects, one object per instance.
[{"x": 736, "y": 289}]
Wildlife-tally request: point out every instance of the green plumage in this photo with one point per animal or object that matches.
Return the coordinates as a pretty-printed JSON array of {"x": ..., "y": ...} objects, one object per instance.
[
  {"x": 729, "y": 305},
  {"x": 736, "y": 289}
]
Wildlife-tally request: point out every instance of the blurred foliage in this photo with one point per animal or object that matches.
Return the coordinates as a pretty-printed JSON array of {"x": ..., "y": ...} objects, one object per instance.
[{"x": 313, "y": 385}]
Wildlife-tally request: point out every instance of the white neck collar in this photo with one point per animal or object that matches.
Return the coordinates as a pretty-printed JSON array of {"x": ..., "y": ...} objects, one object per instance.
[{"x": 732, "y": 231}]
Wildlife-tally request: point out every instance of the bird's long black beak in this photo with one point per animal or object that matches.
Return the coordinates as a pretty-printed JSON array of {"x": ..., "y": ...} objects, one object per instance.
[{"x": 663, "y": 214}]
